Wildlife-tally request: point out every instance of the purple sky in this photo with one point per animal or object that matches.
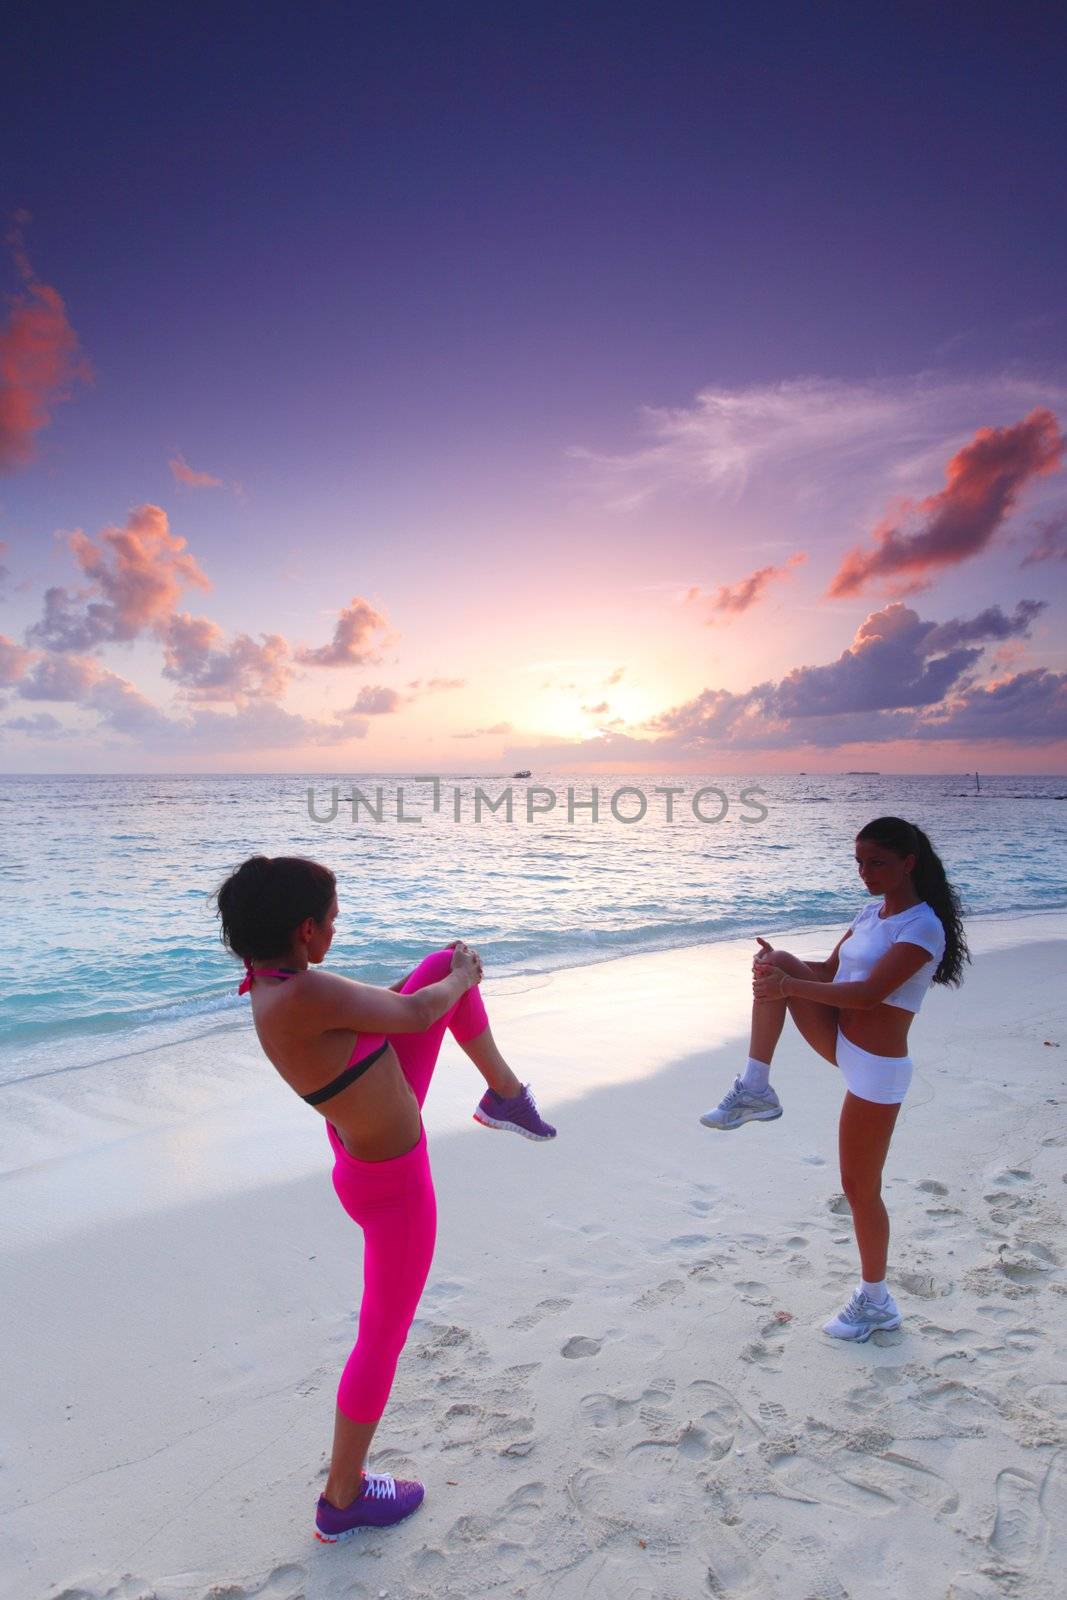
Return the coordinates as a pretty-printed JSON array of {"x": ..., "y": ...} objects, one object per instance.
[{"x": 449, "y": 388}]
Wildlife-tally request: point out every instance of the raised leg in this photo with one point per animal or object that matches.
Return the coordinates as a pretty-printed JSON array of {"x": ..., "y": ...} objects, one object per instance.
[
  {"x": 483, "y": 1051},
  {"x": 466, "y": 1020},
  {"x": 864, "y": 1134},
  {"x": 816, "y": 1022}
]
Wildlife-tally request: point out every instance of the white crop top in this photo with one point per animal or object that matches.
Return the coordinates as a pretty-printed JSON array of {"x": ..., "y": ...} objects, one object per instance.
[{"x": 873, "y": 935}]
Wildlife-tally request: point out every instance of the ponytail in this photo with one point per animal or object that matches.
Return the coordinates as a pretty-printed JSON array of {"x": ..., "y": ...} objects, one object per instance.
[{"x": 931, "y": 884}]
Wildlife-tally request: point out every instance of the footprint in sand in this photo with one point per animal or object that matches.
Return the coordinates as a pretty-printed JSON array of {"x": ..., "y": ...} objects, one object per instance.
[
  {"x": 718, "y": 1416},
  {"x": 838, "y": 1205},
  {"x": 280, "y": 1584},
  {"x": 642, "y": 1503},
  {"x": 614, "y": 1411},
  {"x": 931, "y": 1186},
  {"x": 579, "y": 1346},
  {"x": 543, "y": 1309},
  {"x": 1027, "y": 1266},
  {"x": 960, "y": 1403},
  {"x": 857, "y": 1470},
  {"x": 778, "y": 1324},
  {"x": 1016, "y": 1534},
  {"x": 430, "y": 1563},
  {"x": 901, "y": 1476},
  {"x": 922, "y": 1285},
  {"x": 753, "y": 1293},
  {"x": 664, "y": 1293},
  {"x": 773, "y": 1413},
  {"x": 711, "y": 1268},
  {"x": 1050, "y": 1397},
  {"x": 819, "y": 1562},
  {"x": 759, "y": 1354}
]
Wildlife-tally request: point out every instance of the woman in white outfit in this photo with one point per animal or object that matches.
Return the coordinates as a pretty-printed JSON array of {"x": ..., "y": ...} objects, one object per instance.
[{"x": 855, "y": 1009}]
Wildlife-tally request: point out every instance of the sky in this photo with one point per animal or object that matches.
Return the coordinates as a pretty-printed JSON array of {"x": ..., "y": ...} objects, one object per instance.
[{"x": 584, "y": 388}]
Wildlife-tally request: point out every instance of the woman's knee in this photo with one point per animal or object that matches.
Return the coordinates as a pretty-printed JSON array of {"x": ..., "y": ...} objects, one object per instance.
[
  {"x": 788, "y": 963},
  {"x": 431, "y": 969},
  {"x": 861, "y": 1188}
]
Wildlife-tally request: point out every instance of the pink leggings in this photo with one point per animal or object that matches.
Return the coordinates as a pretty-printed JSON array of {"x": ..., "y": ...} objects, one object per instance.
[{"x": 394, "y": 1204}]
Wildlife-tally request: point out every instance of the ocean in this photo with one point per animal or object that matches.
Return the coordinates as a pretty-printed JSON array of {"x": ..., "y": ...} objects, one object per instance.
[{"x": 114, "y": 944}]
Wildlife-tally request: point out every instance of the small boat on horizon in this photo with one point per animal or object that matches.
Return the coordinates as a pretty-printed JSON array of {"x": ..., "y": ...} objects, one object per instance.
[{"x": 524, "y": 773}]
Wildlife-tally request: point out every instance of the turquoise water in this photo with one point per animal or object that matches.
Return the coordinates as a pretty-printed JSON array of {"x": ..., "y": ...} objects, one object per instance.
[{"x": 113, "y": 942}]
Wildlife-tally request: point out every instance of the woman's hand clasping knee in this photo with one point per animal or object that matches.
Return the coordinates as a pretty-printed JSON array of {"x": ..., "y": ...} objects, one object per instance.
[{"x": 466, "y": 961}]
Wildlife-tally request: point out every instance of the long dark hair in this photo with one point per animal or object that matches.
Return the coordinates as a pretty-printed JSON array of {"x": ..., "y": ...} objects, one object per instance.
[
  {"x": 931, "y": 885},
  {"x": 266, "y": 899}
]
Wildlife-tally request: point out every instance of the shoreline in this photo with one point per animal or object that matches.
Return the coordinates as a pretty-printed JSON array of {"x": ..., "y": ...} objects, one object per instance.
[{"x": 218, "y": 1015}]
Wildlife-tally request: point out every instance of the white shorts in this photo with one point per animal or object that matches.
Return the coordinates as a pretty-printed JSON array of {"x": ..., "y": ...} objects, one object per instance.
[{"x": 883, "y": 1079}]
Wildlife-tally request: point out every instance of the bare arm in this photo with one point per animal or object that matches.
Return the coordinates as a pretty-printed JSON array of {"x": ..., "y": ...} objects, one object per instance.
[
  {"x": 823, "y": 970},
  {"x": 337, "y": 1002},
  {"x": 898, "y": 964}
]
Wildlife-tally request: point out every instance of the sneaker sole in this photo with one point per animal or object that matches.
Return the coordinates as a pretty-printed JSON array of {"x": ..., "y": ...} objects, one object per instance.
[
  {"x": 511, "y": 1127},
  {"x": 756, "y": 1116},
  {"x": 361, "y": 1527},
  {"x": 865, "y": 1333}
]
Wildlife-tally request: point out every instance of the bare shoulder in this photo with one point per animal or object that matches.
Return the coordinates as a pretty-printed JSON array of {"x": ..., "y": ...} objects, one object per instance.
[{"x": 330, "y": 1000}]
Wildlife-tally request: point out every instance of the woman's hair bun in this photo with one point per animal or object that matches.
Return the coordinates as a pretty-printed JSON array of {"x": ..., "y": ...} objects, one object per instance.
[{"x": 266, "y": 898}]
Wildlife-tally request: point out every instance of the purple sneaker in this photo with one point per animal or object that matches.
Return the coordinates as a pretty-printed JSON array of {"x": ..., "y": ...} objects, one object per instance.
[
  {"x": 517, "y": 1115},
  {"x": 381, "y": 1501}
]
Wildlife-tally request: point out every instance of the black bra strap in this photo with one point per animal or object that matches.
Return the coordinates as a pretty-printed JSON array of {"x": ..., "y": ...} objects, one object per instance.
[{"x": 349, "y": 1075}]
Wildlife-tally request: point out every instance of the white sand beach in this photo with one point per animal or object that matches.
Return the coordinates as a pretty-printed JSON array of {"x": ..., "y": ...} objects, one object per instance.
[{"x": 617, "y": 1387}]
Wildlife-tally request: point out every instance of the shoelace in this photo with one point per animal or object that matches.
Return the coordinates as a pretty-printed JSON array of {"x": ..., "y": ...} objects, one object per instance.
[
  {"x": 853, "y": 1312},
  {"x": 379, "y": 1486},
  {"x": 735, "y": 1094}
]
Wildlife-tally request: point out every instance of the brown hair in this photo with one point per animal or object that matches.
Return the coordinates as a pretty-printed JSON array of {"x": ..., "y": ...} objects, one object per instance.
[{"x": 266, "y": 899}]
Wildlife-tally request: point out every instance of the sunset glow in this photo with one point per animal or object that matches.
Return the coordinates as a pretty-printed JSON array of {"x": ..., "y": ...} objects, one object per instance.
[{"x": 424, "y": 438}]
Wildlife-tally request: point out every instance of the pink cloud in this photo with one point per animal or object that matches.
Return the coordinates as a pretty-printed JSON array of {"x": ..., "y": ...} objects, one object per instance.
[
  {"x": 61, "y": 677},
  {"x": 898, "y": 670},
  {"x": 197, "y": 657},
  {"x": 14, "y": 660},
  {"x": 1027, "y": 707},
  {"x": 351, "y": 645},
  {"x": 39, "y": 359},
  {"x": 733, "y": 599},
  {"x": 122, "y": 708},
  {"x": 184, "y": 473},
  {"x": 140, "y": 570},
  {"x": 985, "y": 480},
  {"x": 374, "y": 700},
  {"x": 478, "y": 733},
  {"x": 435, "y": 685}
]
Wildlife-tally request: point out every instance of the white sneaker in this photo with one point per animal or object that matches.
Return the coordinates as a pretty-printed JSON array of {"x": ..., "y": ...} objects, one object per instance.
[
  {"x": 862, "y": 1317},
  {"x": 742, "y": 1105}
]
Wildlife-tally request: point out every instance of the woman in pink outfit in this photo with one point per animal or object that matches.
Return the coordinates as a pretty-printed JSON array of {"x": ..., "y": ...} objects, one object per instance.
[{"x": 364, "y": 1056}]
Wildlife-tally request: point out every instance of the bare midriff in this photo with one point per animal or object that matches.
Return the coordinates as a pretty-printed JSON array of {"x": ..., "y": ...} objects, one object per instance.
[
  {"x": 883, "y": 1029},
  {"x": 377, "y": 1117}
]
